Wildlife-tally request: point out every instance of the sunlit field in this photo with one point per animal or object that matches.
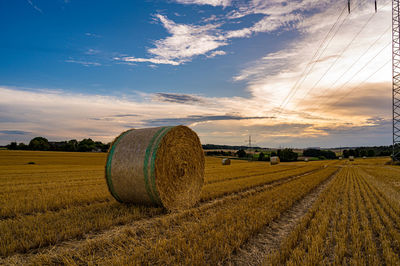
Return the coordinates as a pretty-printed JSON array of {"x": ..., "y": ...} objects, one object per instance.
[{"x": 55, "y": 208}]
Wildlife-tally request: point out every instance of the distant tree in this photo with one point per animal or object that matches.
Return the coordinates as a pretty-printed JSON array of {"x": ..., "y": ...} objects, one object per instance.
[
  {"x": 363, "y": 153},
  {"x": 106, "y": 147},
  {"x": 329, "y": 154},
  {"x": 346, "y": 153},
  {"x": 287, "y": 155},
  {"x": 71, "y": 145},
  {"x": 311, "y": 152},
  {"x": 86, "y": 145},
  {"x": 371, "y": 153},
  {"x": 12, "y": 146},
  {"x": 261, "y": 156},
  {"x": 23, "y": 146},
  {"x": 39, "y": 144},
  {"x": 273, "y": 154},
  {"x": 210, "y": 153},
  {"x": 241, "y": 153},
  {"x": 352, "y": 152}
]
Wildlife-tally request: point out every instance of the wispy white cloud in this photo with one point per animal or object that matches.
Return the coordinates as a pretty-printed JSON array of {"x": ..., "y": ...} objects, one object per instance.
[
  {"x": 84, "y": 63},
  {"x": 185, "y": 42},
  {"x": 312, "y": 118},
  {"x": 215, "y": 53},
  {"x": 149, "y": 60},
  {"x": 206, "y": 2},
  {"x": 267, "y": 24},
  {"x": 335, "y": 71},
  {"x": 91, "y": 51},
  {"x": 91, "y": 34},
  {"x": 34, "y": 6},
  {"x": 58, "y": 115}
]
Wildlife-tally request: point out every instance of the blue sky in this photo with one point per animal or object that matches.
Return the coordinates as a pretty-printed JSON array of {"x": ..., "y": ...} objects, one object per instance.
[
  {"x": 72, "y": 45},
  {"x": 75, "y": 69}
]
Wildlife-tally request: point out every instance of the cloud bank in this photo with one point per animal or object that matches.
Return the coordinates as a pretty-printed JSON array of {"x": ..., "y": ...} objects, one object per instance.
[{"x": 339, "y": 96}]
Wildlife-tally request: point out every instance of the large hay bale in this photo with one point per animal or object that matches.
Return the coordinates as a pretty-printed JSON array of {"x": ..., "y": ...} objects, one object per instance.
[
  {"x": 226, "y": 161},
  {"x": 162, "y": 166},
  {"x": 275, "y": 160},
  {"x": 351, "y": 158}
]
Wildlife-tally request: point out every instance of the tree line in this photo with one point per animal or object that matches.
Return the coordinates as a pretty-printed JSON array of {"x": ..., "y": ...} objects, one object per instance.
[
  {"x": 285, "y": 155},
  {"x": 42, "y": 144},
  {"x": 320, "y": 154},
  {"x": 226, "y": 147},
  {"x": 288, "y": 155}
]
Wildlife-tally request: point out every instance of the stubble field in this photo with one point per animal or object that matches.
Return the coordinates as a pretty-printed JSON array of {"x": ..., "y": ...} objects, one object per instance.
[{"x": 59, "y": 211}]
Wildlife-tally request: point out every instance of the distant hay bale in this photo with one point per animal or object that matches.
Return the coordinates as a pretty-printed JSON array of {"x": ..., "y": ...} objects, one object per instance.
[
  {"x": 306, "y": 159},
  {"x": 364, "y": 157},
  {"x": 226, "y": 161},
  {"x": 161, "y": 166},
  {"x": 340, "y": 158},
  {"x": 275, "y": 160},
  {"x": 351, "y": 158}
]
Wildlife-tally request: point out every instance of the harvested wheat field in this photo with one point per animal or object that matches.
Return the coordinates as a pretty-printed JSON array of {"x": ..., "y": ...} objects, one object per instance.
[{"x": 57, "y": 210}]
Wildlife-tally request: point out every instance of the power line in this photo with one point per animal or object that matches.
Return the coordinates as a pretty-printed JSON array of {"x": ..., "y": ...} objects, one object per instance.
[
  {"x": 337, "y": 58},
  {"x": 362, "y": 82},
  {"x": 294, "y": 89},
  {"x": 313, "y": 60},
  {"x": 358, "y": 59},
  {"x": 355, "y": 62}
]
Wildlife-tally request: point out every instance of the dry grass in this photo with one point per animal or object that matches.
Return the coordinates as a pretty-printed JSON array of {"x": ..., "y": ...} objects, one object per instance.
[
  {"x": 59, "y": 208},
  {"x": 353, "y": 223},
  {"x": 194, "y": 237}
]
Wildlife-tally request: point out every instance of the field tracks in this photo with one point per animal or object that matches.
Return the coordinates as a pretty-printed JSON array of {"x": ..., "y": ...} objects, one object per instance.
[
  {"x": 250, "y": 175},
  {"x": 269, "y": 239},
  {"x": 256, "y": 188},
  {"x": 146, "y": 223}
]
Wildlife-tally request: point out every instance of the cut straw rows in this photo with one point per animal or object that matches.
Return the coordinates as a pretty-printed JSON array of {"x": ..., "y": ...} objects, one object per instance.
[
  {"x": 47, "y": 228},
  {"x": 200, "y": 234},
  {"x": 353, "y": 223}
]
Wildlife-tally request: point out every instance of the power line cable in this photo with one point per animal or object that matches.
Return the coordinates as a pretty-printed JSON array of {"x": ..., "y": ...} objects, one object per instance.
[
  {"x": 365, "y": 80},
  {"x": 345, "y": 95},
  {"x": 294, "y": 89},
  {"x": 313, "y": 60},
  {"x": 338, "y": 57},
  {"x": 355, "y": 62}
]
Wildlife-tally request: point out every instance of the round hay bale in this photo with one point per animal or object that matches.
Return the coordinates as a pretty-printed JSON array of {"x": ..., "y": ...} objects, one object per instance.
[
  {"x": 306, "y": 159},
  {"x": 351, "y": 158},
  {"x": 226, "y": 161},
  {"x": 161, "y": 166},
  {"x": 275, "y": 160}
]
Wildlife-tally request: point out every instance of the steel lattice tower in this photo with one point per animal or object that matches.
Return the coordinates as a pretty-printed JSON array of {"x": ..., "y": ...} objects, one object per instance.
[{"x": 396, "y": 78}]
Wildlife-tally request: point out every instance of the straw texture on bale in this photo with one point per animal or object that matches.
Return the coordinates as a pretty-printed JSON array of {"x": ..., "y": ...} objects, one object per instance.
[
  {"x": 161, "y": 166},
  {"x": 226, "y": 161},
  {"x": 275, "y": 160}
]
